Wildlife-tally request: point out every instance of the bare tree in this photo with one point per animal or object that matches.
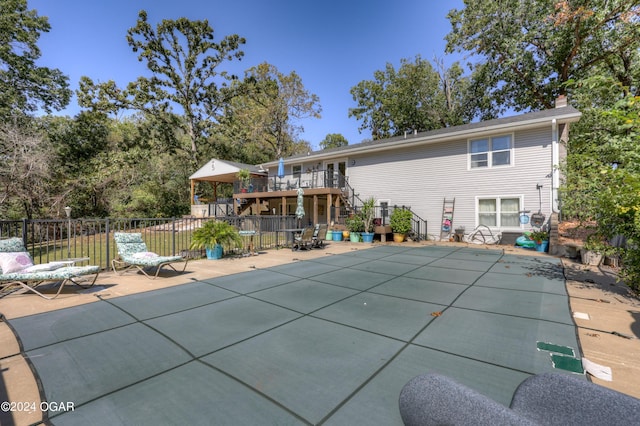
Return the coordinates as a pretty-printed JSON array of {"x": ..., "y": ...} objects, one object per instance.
[{"x": 25, "y": 178}]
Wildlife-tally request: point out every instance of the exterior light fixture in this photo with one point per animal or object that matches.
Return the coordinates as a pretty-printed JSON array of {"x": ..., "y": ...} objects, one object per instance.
[{"x": 67, "y": 210}]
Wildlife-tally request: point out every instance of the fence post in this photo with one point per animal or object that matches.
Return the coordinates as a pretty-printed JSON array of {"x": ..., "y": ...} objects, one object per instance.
[
  {"x": 106, "y": 231},
  {"x": 24, "y": 232},
  {"x": 173, "y": 235}
]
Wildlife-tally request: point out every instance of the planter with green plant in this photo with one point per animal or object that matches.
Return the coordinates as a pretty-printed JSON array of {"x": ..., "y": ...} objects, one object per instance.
[
  {"x": 541, "y": 238},
  {"x": 594, "y": 250},
  {"x": 212, "y": 235},
  {"x": 244, "y": 176},
  {"x": 400, "y": 223},
  {"x": 368, "y": 212},
  {"x": 355, "y": 225}
]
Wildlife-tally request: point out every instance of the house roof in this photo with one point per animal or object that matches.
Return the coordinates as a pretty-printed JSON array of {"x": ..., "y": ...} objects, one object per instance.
[
  {"x": 223, "y": 171},
  {"x": 562, "y": 115}
]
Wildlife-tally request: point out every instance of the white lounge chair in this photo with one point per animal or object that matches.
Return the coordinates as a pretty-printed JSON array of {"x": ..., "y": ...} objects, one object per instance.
[
  {"x": 18, "y": 270},
  {"x": 133, "y": 253}
]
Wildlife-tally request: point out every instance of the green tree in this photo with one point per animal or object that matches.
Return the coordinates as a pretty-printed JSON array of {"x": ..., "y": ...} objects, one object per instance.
[
  {"x": 128, "y": 182},
  {"x": 333, "y": 140},
  {"x": 416, "y": 97},
  {"x": 526, "y": 52},
  {"x": 186, "y": 90},
  {"x": 24, "y": 86},
  {"x": 263, "y": 121},
  {"x": 603, "y": 181},
  {"x": 76, "y": 144}
]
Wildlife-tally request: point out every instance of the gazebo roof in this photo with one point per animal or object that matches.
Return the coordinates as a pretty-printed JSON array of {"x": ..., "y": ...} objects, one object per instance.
[{"x": 223, "y": 171}]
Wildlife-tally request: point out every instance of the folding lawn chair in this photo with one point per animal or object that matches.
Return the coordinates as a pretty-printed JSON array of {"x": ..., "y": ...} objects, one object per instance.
[
  {"x": 303, "y": 241},
  {"x": 317, "y": 241}
]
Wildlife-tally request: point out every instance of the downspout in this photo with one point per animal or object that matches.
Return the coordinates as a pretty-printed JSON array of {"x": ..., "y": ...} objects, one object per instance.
[{"x": 555, "y": 164}]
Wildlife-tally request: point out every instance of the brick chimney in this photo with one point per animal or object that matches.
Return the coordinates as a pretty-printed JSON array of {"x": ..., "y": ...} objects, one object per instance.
[{"x": 561, "y": 101}]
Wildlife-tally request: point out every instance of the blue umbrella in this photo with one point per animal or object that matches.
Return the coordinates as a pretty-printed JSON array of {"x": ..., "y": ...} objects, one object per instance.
[
  {"x": 281, "y": 168},
  {"x": 280, "y": 174}
]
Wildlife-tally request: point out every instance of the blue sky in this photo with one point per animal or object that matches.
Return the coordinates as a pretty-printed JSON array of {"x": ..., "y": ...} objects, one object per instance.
[{"x": 332, "y": 45}]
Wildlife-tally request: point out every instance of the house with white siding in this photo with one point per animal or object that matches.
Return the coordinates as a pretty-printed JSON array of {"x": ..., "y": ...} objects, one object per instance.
[{"x": 494, "y": 170}]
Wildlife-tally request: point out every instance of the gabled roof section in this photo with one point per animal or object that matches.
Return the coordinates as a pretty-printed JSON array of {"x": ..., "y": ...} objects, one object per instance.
[
  {"x": 567, "y": 114},
  {"x": 223, "y": 171}
]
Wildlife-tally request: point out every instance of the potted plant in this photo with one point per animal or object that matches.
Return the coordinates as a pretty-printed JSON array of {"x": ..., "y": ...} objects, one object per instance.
[
  {"x": 541, "y": 238},
  {"x": 244, "y": 176},
  {"x": 593, "y": 251},
  {"x": 212, "y": 234},
  {"x": 368, "y": 212},
  {"x": 355, "y": 225},
  {"x": 400, "y": 223}
]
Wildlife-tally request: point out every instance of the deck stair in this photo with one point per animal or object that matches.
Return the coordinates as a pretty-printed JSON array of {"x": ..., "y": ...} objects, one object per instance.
[
  {"x": 249, "y": 207},
  {"x": 348, "y": 197},
  {"x": 446, "y": 225}
]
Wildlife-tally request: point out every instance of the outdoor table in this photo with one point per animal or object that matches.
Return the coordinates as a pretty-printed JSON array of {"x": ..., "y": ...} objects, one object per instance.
[
  {"x": 292, "y": 233},
  {"x": 73, "y": 260}
]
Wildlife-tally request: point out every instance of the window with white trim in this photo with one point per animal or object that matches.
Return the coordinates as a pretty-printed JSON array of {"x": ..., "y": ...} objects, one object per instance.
[
  {"x": 500, "y": 212},
  {"x": 490, "y": 152}
]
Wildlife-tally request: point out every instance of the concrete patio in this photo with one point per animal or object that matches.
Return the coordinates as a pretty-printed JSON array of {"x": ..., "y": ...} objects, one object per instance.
[{"x": 312, "y": 337}]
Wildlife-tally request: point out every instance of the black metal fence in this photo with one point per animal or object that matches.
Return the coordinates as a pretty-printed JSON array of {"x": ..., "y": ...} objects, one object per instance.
[
  {"x": 55, "y": 239},
  {"x": 382, "y": 215}
]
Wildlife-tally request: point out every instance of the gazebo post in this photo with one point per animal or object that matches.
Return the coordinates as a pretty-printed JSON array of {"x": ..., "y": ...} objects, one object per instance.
[{"x": 315, "y": 209}]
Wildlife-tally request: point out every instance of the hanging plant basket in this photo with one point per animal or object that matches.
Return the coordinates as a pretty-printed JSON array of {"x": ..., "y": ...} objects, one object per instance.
[{"x": 537, "y": 219}]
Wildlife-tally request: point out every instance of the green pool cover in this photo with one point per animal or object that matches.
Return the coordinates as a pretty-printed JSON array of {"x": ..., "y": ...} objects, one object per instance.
[{"x": 324, "y": 341}]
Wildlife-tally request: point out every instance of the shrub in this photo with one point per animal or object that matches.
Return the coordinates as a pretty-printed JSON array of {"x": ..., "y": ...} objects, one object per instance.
[
  {"x": 355, "y": 223},
  {"x": 401, "y": 220},
  {"x": 215, "y": 232}
]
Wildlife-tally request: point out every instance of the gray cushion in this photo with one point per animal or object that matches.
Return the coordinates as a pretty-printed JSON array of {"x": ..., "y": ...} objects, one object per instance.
[
  {"x": 432, "y": 399},
  {"x": 545, "y": 399},
  {"x": 561, "y": 399}
]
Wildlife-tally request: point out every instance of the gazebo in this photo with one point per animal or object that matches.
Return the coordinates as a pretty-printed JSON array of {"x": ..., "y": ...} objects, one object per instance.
[{"x": 217, "y": 172}]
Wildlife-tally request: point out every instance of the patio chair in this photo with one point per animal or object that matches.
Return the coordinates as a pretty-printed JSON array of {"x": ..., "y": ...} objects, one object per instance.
[
  {"x": 317, "y": 241},
  {"x": 304, "y": 240},
  {"x": 18, "y": 271},
  {"x": 133, "y": 253},
  {"x": 549, "y": 398}
]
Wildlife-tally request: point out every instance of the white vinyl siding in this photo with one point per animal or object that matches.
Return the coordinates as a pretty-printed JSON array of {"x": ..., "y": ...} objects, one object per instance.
[
  {"x": 421, "y": 177},
  {"x": 491, "y": 152},
  {"x": 499, "y": 212}
]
